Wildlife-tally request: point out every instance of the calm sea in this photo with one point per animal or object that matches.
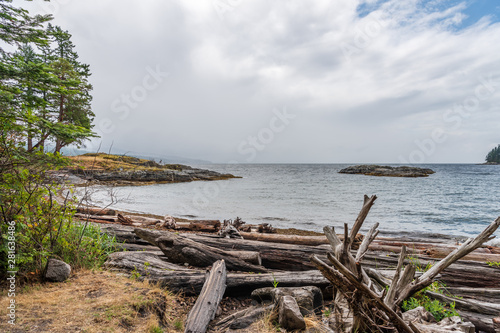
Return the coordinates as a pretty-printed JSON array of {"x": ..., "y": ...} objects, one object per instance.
[{"x": 458, "y": 200}]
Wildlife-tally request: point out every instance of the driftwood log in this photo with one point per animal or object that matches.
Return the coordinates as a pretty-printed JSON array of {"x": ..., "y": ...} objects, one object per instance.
[
  {"x": 206, "y": 305},
  {"x": 182, "y": 250},
  {"x": 95, "y": 211},
  {"x": 292, "y": 257},
  {"x": 190, "y": 281}
]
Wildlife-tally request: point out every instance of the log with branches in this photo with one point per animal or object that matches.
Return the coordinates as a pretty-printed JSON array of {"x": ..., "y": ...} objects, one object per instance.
[{"x": 374, "y": 308}]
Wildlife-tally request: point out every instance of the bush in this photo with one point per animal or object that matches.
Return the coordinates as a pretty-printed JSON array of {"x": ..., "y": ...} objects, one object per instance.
[
  {"x": 44, "y": 227},
  {"x": 436, "y": 308}
]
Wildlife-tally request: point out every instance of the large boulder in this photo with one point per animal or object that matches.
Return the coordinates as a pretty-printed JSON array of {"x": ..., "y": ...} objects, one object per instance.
[
  {"x": 289, "y": 316},
  {"x": 57, "y": 271}
]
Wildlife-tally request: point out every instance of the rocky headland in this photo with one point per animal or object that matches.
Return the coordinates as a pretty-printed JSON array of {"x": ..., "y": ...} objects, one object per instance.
[
  {"x": 126, "y": 170},
  {"x": 387, "y": 171}
]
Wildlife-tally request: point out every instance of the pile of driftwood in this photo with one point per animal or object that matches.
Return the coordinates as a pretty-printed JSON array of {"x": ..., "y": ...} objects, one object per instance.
[
  {"x": 228, "y": 227},
  {"x": 367, "y": 278}
]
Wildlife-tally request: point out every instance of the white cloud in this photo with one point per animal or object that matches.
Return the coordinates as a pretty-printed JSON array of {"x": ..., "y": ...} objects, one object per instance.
[{"x": 366, "y": 88}]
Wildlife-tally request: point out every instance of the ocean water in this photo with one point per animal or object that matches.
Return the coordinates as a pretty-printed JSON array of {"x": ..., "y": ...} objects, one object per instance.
[{"x": 458, "y": 200}]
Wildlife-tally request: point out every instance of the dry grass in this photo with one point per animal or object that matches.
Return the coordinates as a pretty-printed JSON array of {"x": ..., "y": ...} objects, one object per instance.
[
  {"x": 97, "y": 301},
  {"x": 109, "y": 162}
]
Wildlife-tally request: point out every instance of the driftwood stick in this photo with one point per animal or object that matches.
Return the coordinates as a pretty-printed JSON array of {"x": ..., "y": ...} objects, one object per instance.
[
  {"x": 371, "y": 296},
  {"x": 368, "y": 203},
  {"x": 332, "y": 237},
  {"x": 391, "y": 294},
  {"x": 207, "y": 303},
  {"x": 347, "y": 241},
  {"x": 428, "y": 277},
  {"x": 367, "y": 240}
]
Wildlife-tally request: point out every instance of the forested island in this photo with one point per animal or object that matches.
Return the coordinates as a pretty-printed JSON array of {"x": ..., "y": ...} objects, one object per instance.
[{"x": 493, "y": 156}]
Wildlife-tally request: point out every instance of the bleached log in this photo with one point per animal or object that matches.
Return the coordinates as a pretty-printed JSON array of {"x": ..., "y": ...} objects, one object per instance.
[{"x": 206, "y": 305}]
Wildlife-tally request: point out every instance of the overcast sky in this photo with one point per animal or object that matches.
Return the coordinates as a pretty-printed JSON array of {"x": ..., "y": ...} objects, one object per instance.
[{"x": 291, "y": 81}]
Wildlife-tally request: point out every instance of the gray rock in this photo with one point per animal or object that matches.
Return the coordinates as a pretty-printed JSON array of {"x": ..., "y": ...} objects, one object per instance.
[
  {"x": 425, "y": 322},
  {"x": 289, "y": 316},
  {"x": 388, "y": 171},
  {"x": 309, "y": 299},
  {"x": 57, "y": 270},
  {"x": 419, "y": 315}
]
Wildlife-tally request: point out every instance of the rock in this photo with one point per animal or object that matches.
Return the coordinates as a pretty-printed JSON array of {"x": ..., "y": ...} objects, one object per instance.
[
  {"x": 126, "y": 177},
  {"x": 57, "y": 270},
  {"x": 419, "y": 315},
  {"x": 309, "y": 299},
  {"x": 289, "y": 316},
  {"x": 388, "y": 171},
  {"x": 425, "y": 322}
]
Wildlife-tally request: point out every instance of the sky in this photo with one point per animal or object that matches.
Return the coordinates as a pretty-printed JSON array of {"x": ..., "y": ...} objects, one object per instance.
[{"x": 262, "y": 81}]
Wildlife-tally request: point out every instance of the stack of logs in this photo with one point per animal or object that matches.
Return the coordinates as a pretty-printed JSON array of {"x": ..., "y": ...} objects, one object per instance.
[
  {"x": 105, "y": 215},
  {"x": 356, "y": 267}
]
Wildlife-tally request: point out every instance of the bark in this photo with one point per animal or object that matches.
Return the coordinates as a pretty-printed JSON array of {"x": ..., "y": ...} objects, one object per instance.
[{"x": 206, "y": 305}]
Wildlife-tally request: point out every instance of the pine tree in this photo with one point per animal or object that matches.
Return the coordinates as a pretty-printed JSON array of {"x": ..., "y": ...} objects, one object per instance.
[{"x": 494, "y": 155}]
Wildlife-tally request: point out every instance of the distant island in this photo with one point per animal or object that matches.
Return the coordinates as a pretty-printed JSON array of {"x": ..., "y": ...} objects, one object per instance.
[
  {"x": 387, "y": 171},
  {"x": 127, "y": 170},
  {"x": 493, "y": 156}
]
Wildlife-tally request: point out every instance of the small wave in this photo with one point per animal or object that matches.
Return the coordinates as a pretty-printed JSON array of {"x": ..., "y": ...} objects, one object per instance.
[{"x": 270, "y": 218}]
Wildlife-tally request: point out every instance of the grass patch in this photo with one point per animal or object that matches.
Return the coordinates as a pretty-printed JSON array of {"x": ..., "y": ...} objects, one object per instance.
[{"x": 95, "y": 301}]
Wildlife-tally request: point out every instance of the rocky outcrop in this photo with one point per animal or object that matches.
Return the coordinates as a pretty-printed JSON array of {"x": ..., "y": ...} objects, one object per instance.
[
  {"x": 128, "y": 170},
  {"x": 387, "y": 171},
  {"x": 174, "y": 176}
]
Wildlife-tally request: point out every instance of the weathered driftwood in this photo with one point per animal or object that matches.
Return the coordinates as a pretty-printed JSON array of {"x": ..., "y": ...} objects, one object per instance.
[
  {"x": 179, "y": 249},
  {"x": 150, "y": 264},
  {"x": 372, "y": 308},
  {"x": 292, "y": 239},
  {"x": 199, "y": 225},
  {"x": 95, "y": 211},
  {"x": 294, "y": 257},
  {"x": 482, "y": 294},
  {"x": 468, "y": 304},
  {"x": 244, "y": 318},
  {"x": 206, "y": 305},
  {"x": 190, "y": 281},
  {"x": 124, "y": 220},
  {"x": 106, "y": 218},
  {"x": 482, "y": 254},
  {"x": 252, "y": 257}
]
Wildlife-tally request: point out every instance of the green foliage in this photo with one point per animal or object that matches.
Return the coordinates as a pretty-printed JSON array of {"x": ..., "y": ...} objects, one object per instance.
[
  {"x": 44, "y": 96},
  {"x": 436, "y": 308},
  {"x": 275, "y": 282},
  {"x": 44, "y": 228},
  {"x": 493, "y": 264},
  {"x": 494, "y": 155}
]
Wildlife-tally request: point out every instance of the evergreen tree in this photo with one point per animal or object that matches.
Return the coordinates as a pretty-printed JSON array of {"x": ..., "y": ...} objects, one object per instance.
[{"x": 494, "y": 155}]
